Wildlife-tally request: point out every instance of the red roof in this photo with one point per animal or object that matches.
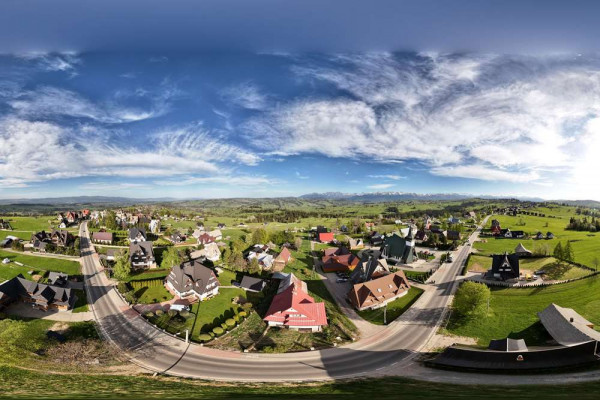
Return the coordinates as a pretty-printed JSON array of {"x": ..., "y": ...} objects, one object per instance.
[
  {"x": 205, "y": 238},
  {"x": 102, "y": 236},
  {"x": 294, "y": 307},
  {"x": 342, "y": 262},
  {"x": 284, "y": 255},
  {"x": 326, "y": 237}
]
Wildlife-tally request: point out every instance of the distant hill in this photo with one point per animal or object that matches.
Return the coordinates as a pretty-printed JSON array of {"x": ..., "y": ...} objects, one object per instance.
[
  {"x": 397, "y": 196},
  {"x": 81, "y": 200}
]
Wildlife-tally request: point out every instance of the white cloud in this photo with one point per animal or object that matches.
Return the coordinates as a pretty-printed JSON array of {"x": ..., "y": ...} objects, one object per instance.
[
  {"x": 246, "y": 95},
  {"x": 483, "y": 117},
  {"x": 49, "y": 101},
  {"x": 381, "y": 186},
  {"x": 300, "y": 176},
  {"x": 392, "y": 177},
  {"x": 232, "y": 180},
  {"x": 41, "y": 151}
]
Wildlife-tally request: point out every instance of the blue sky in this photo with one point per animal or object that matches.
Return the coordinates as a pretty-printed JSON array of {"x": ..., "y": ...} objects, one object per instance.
[{"x": 168, "y": 105}]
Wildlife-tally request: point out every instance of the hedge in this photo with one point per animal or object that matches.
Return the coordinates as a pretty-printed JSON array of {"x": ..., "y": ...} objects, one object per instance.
[
  {"x": 147, "y": 283},
  {"x": 204, "y": 337},
  {"x": 230, "y": 323},
  {"x": 218, "y": 331}
]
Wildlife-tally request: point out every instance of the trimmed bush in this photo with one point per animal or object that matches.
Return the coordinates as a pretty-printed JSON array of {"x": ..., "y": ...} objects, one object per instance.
[
  {"x": 149, "y": 314},
  {"x": 172, "y": 313},
  {"x": 218, "y": 331},
  {"x": 204, "y": 337},
  {"x": 224, "y": 326},
  {"x": 230, "y": 323},
  {"x": 159, "y": 312},
  {"x": 122, "y": 287},
  {"x": 236, "y": 318},
  {"x": 243, "y": 314},
  {"x": 184, "y": 314},
  {"x": 211, "y": 334}
]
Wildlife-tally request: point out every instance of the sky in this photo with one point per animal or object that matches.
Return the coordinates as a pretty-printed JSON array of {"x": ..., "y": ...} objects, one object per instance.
[{"x": 268, "y": 99}]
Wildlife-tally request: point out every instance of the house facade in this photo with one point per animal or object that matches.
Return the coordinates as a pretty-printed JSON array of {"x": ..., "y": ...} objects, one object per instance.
[
  {"x": 282, "y": 259},
  {"x": 102, "y": 237},
  {"x": 376, "y": 293},
  {"x": 136, "y": 235},
  {"x": 210, "y": 252},
  {"x": 293, "y": 308},
  {"x": 192, "y": 279},
  {"x": 141, "y": 255},
  {"x": 40, "y": 296}
]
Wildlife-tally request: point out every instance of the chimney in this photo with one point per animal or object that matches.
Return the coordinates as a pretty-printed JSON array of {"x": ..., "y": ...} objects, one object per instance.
[{"x": 571, "y": 319}]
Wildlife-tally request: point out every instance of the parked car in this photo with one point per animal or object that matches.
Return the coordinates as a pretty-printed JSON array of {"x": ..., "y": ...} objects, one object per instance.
[{"x": 179, "y": 307}]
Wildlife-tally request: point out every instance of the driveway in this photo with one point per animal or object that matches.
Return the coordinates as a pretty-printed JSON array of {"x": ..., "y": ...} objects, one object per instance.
[
  {"x": 339, "y": 292},
  {"x": 25, "y": 310}
]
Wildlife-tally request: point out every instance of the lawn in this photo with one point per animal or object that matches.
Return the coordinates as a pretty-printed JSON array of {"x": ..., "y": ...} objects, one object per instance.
[
  {"x": 585, "y": 244},
  {"x": 28, "y": 384},
  {"x": 43, "y": 263},
  {"x": 394, "y": 309},
  {"x": 153, "y": 294},
  {"x": 226, "y": 277},
  {"x": 213, "y": 309},
  {"x": 9, "y": 271},
  {"x": 149, "y": 274},
  {"x": 32, "y": 224},
  {"x": 513, "y": 312},
  {"x": 81, "y": 304},
  {"x": 554, "y": 270}
]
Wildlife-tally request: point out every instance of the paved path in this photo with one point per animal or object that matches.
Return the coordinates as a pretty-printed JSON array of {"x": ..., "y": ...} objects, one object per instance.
[{"x": 25, "y": 310}]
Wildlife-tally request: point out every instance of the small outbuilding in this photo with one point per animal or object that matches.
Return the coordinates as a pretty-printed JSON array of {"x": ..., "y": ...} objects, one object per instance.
[{"x": 521, "y": 251}]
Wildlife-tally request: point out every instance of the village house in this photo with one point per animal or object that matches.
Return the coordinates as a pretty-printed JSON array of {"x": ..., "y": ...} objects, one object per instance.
[
  {"x": 539, "y": 236},
  {"x": 216, "y": 234},
  {"x": 338, "y": 259},
  {"x": 504, "y": 266},
  {"x": 399, "y": 249},
  {"x": 205, "y": 239},
  {"x": 421, "y": 236},
  {"x": 102, "y": 237},
  {"x": 5, "y": 224},
  {"x": 282, "y": 259},
  {"x": 137, "y": 235},
  {"x": 260, "y": 252},
  {"x": 40, "y": 296},
  {"x": 210, "y": 252},
  {"x": 453, "y": 235},
  {"x": 376, "y": 239},
  {"x": 496, "y": 229},
  {"x": 252, "y": 284},
  {"x": 355, "y": 244},
  {"x": 192, "y": 279},
  {"x": 378, "y": 292},
  {"x": 293, "y": 308},
  {"x": 154, "y": 226},
  {"x": 177, "y": 238},
  {"x": 325, "y": 237},
  {"x": 521, "y": 251},
  {"x": 141, "y": 255},
  {"x": 370, "y": 268}
]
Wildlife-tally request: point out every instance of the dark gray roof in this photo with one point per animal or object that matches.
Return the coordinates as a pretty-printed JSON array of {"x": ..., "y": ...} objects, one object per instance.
[
  {"x": 133, "y": 233},
  {"x": 507, "y": 265},
  {"x": 566, "y": 326},
  {"x": 42, "y": 293},
  {"x": 252, "y": 284},
  {"x": 191, "y": 275},
  {"x": 364, "y": 270},
  {"x": 508, "y": 345}
]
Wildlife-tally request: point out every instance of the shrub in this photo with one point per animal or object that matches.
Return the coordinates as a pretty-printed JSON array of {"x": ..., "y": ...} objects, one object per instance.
[
  {"x": 230, "y": 323},
  {"x": 149, "y": 314},
  {"x": 184, "y": 314},
  {"x": 204, "y": 337},
  {"x": 471, "y": 298},
  {"x": 236, "y": 318},
  {"x": 243, "y": 314},
  {"x": 172, "y": 313},
  {"x": 211, "y": 334},
  {"x": 247, "y": 306},
  {"x": 159, "y": 312},
  {"x": 122, "y": 287},
  {"x": 218, "y": 331},
  {"x": 224, "y": 326}
]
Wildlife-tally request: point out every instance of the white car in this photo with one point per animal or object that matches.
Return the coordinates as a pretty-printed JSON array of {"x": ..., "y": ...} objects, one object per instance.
[{"x": 6, "y": 261}]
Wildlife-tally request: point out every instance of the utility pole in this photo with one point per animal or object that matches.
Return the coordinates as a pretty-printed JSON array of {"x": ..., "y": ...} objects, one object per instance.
[
  {"x": 187, "y": 335},
  {"x": 385, "y": 314}
]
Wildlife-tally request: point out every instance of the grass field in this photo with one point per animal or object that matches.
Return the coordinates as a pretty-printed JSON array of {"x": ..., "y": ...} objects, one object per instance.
[
  {"x": 32, "y": 224},
  {"x": 554, "y": 271},
  {"x": 9, "y": 271},
  {"x": 585, "y": 244},
  {"x": 154, "y": 294},
  {"x": 43, "y": 263},
  {"x": 81, "y": 304},
  {"x": 19, "y": 383},
  {"x": 513, "y": 312},
  {"x": 211, "y": 309},
  {"x": 394, "y": 309}
]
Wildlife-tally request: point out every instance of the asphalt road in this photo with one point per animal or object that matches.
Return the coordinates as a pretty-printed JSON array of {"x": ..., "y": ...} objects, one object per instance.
[{"x": 391, "y": 352}]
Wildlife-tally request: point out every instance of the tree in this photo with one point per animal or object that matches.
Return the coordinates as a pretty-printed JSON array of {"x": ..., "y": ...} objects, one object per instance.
[
  {"x": 260, "y": 235},
  {"x": 558, "y": 252},
  {"x": 253, "y": 266},
  {"x": 298, "y": 243},
  {"x": 171, "y": 257},
  {"x": 568, "y": 252},
  {"x": 471, "y": 299},
  {"x": 122, "y": 269}
]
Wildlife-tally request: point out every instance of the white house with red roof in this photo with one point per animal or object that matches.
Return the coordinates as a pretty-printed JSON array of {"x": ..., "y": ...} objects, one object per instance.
[{"x": 293, "y": 308}]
